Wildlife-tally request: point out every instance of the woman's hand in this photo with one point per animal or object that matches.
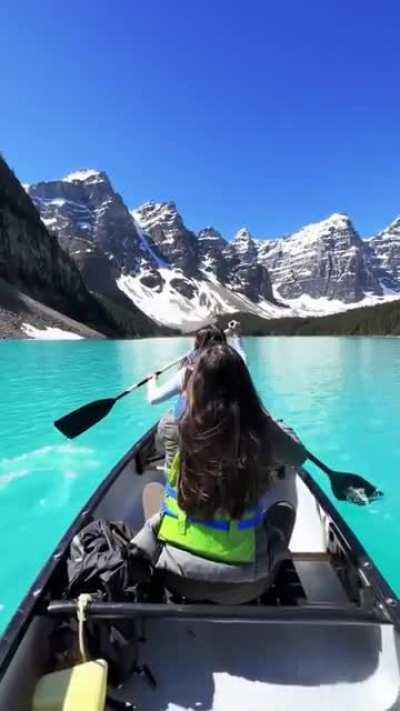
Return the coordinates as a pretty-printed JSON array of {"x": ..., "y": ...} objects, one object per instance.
[{"x": 233, "y": 328}]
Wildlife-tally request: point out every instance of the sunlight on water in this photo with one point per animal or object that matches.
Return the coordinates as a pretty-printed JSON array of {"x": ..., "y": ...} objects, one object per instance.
[{"x": 340, "y": 394}]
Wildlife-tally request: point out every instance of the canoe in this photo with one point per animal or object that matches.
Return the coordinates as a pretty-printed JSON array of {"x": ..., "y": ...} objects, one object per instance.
[{"x": 325, "y": 636}]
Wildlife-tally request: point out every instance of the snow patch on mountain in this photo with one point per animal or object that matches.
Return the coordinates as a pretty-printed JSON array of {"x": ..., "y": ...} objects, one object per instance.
[
  {"x": 242, "y": 241},
  {"x": 83, "y": 175},
  {"x": 209, "y": 234},
  {"x": 306, "y": 306},
  {"x": 310, "y": 234},
  {"x": 169, "y": 306},
  {"x": 391, "y": 232},
  {"x": 49, "y": 333},
  {"x": 144, "y": 240}
]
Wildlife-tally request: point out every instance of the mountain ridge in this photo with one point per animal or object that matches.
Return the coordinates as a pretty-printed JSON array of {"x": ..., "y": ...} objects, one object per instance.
[{"x": 180, "y": 278}]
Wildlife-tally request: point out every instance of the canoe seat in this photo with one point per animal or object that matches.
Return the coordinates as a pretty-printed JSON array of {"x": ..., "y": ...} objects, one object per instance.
[{"x": 211, "y": 587}]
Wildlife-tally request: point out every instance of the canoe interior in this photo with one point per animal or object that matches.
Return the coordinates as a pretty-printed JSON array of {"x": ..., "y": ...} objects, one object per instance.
[{"x": 325, "y": 636}]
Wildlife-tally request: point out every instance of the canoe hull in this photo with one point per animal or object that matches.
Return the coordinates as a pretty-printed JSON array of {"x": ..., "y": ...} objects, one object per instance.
[{"x": 331, "y": 643}]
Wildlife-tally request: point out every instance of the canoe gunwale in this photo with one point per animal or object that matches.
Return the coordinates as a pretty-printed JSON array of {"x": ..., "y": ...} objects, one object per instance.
[{"x": 356, "y": 553}]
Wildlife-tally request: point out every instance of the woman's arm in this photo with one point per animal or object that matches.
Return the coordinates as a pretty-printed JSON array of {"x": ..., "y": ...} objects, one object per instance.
[
  {"x": 159, "y": 393},
  {"x": 286, "y": 447},
  {"x": 235, "y": 342}
]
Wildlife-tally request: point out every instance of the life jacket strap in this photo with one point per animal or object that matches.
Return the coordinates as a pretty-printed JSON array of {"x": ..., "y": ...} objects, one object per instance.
[{"x": 216, "y": 524}]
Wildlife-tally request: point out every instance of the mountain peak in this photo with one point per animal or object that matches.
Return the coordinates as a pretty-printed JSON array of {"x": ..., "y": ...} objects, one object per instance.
[
  {"x": 392, "y": 231},
  {"x": 243, "y": 235},
  {"x": 158, "y": 213},
  {"x": 85, "y": 175},
  {"x": 339, "y": 219},
  {"x": 243, "y": 245},
  {"x": 334, "y": 225},
  {"x": 155, "y": 206},
  {"x": 209, "y": 234}
]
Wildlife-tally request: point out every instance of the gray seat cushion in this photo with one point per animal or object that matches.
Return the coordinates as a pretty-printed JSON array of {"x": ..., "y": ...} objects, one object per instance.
[{"x": 200, "y": 579}]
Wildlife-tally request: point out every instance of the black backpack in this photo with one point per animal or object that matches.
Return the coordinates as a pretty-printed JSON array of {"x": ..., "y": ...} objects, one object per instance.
[{"x": 103, "y": 563}]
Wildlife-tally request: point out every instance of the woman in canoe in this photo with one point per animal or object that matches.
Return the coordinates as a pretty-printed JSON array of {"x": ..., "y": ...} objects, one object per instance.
[
  {"x": 167, "y": 432},
  {"x": 218, "y": 527}
]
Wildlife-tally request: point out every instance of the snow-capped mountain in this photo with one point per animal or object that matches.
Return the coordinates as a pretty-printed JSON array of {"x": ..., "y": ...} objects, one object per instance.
[
  {"x": 246, "y": 272},
  {"x": 198, "y": 278},
  {"x": 95, "y": 227},
  {"x": 207, "y": 255},
  {"x": 163, "y": 223},
  {"x": 149, "y": 257},
  {"x": 327, "y": 259},
  {"x": 86, "y": 213},
  {"x": 211, "y": 248},
  {"x": 385, "y": 256}
]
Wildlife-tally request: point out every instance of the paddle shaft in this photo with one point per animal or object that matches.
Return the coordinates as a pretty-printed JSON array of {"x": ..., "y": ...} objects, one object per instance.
[
  {"x": 319, "y": 464},
  {"x": 145, "y": 380},
  {"x": 84, "y": 417}
]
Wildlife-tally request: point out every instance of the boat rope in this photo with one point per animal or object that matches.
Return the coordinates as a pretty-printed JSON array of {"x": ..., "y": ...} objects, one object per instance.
[{"x": 84, "y": 601}]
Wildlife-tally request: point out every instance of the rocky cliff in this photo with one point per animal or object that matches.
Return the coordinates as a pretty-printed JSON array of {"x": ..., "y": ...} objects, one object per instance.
[
  {"x": 327, "y": 259},
  {"x": 34, "y": 261}
]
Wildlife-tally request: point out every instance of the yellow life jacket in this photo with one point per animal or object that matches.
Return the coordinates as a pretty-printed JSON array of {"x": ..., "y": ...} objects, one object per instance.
[{"x": 221, "y": 539}]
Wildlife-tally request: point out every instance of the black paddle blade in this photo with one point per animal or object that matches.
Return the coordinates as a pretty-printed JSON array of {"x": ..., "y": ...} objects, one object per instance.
[
  {"x": 353, "y": 488},
  {"x": 84, "y": 417}
]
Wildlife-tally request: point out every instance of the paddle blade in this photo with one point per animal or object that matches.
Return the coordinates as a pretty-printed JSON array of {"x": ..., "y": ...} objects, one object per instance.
[
  {"x": 84, "y": 417},
  {"x": 353, "y": 488}
]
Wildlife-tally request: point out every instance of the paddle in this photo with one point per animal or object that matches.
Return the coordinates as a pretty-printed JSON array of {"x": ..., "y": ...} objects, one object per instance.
[
  {"x": 347, "y": 486},
  {"x": 84, "y": 417}
]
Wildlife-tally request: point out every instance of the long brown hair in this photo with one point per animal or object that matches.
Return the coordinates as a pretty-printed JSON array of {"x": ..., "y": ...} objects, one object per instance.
[
  {"x": 209, "y": 336},
  {"x": 205, "y": 337},
  {"x": 225, "y": 451}
]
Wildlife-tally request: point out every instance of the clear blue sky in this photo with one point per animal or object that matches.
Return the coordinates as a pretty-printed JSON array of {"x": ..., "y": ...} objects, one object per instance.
[{"x": 256, "y": 113}]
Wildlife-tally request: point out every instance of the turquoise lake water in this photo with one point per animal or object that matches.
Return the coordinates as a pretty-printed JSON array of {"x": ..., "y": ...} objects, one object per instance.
[{"x": 340, "y": 394}]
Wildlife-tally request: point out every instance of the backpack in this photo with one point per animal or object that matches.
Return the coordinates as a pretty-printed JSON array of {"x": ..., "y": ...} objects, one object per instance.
[{"x": 103, "y": 563}]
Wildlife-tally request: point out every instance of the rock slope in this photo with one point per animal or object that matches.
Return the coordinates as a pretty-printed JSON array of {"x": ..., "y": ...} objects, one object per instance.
[
  {"x": 32, "y": 260},
  {"x": 35, "y": 262}
]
